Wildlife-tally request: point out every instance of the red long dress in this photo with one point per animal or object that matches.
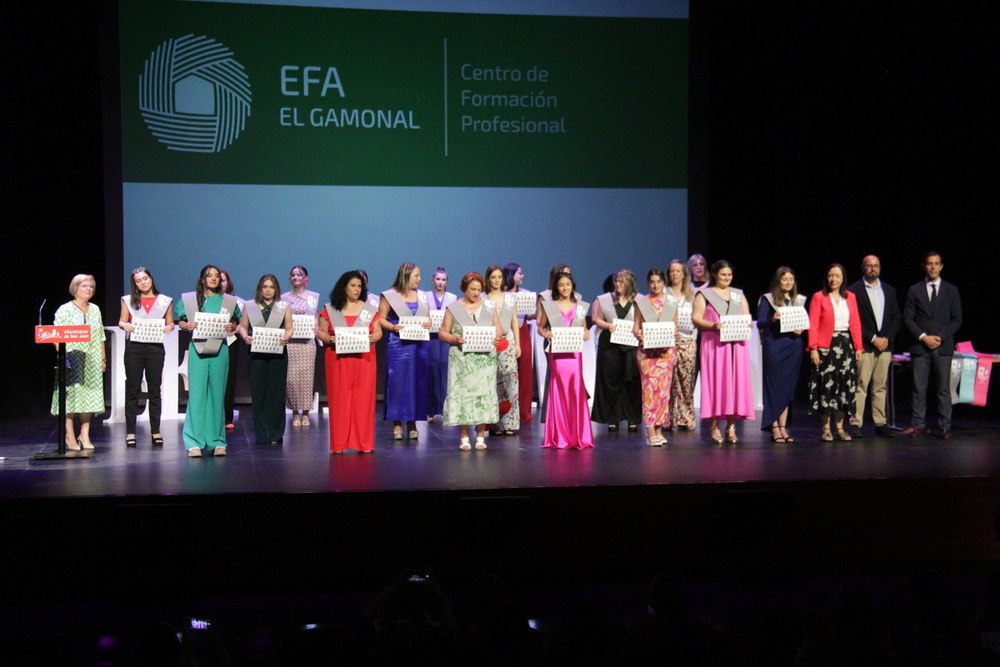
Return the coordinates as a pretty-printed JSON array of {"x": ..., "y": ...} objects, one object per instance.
[{"x": 350, "y": 394}]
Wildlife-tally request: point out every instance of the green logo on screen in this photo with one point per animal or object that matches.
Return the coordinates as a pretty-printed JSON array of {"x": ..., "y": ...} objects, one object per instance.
[{"x": 193, "y": 95}]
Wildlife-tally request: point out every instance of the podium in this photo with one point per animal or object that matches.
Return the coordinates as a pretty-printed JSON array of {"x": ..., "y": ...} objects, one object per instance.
[{"x": 73, "y": 333}]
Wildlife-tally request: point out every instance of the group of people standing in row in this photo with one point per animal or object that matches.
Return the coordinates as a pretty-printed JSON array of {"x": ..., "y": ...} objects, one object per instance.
[{"x": 850, "y": 340}]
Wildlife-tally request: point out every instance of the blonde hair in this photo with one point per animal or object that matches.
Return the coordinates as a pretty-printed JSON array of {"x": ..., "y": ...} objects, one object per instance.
[
  {"x": 628, "y": 278},
  {"x": 78, "y": 279},
  {"x": 686, "y": 289}
]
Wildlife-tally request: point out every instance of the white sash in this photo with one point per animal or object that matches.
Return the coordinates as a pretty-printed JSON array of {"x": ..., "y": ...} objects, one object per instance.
[
  {"x": 555, "y": 317},
  {"x": 157, "y": 312},
  {"x": 607, "y": 303},
  {"x": 401, "y": 309},
  {"x": 364, "y": 319},
  {"x": 190, "y": 300},
  {"x": 720, "y": 305},
  {"x": 464, "y": 317},
  {"x": 276, "y": 320},
  {"x": 648, "y": 311}
]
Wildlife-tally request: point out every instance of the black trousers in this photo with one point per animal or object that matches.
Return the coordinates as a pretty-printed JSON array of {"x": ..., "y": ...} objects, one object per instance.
[
  {"x": 268, "y": 376},
  {"x": 234, "y": 353},
  {"x": 928, "y": 367},
  {"x": 143, "y": 358}
]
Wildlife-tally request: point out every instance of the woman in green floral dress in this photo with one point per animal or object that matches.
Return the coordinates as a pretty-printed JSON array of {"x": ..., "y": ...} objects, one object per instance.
[
  {"x": 85, "y": 362},
  {"x": 472, "y": 376}
]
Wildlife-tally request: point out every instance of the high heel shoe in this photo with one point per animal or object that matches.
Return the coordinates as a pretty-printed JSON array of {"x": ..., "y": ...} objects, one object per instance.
[
  {"x": 776, "y": 435},
  {"x": 717, "y": 436},
  {"x": 784, "y": 434},
  {"x": 731, "y": 435}
]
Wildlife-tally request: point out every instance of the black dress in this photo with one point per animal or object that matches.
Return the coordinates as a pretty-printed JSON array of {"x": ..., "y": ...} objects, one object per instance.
[{"x": 618, "y": 387}]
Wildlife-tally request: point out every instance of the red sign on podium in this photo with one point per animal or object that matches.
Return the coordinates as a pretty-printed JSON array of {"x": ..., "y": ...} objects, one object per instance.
[{"x": 69, "y": 333}]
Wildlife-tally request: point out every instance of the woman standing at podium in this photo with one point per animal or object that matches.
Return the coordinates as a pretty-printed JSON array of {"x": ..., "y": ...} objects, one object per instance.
[
  {"x": 143, "y": 301},
  {"x": 85, "y": 362}
]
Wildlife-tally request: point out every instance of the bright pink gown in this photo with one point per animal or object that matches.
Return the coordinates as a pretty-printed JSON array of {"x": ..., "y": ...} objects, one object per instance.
[
  {"x": 567, "y": 415},
  {"x": 726, "y": 385}
]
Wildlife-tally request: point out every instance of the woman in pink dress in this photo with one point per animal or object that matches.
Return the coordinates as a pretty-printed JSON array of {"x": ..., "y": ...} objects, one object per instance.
[
  {"x": 726, "y": 386},
  {"x": 567, "y": 415}
]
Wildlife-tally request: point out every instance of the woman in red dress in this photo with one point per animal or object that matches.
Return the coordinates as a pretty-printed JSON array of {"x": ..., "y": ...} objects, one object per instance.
[{"x": 350, "y": 378}]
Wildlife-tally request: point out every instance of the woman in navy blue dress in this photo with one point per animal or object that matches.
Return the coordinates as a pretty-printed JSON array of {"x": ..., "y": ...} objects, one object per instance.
[{"x": 782, "y": 353}]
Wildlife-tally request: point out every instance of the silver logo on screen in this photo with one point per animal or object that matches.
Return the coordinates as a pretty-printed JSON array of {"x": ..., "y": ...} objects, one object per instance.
[{"x": 193, "y": 95}]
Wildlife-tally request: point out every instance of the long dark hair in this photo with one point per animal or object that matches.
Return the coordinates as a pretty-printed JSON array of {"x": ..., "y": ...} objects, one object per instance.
[
  {"x": 200, "y": 287},
  {"x": 842, "y": 290},
  {"x": 338, "y": 295},
  {"x": 509, "y": 272},
  {"x": 776, "y": 286},
  {"x": 134, "y": 289},
  {"x": 259, "y": 297},
  {"x": 555, "y": 281},
  {"x": 489, "y": 271}
]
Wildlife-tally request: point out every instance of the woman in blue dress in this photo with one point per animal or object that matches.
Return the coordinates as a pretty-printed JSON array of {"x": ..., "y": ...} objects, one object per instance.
[
  {"x": 437, "y": 350},
  {"x": 782, "y": 353},
  {"x": 406, "y": 360}
]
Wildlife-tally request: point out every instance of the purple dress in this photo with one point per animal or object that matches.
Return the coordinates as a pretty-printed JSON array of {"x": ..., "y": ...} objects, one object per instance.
[
  {"x": 567, "y": 415},
  {"x": 406, "y": 376},
  {"x": 726, "y": 385}
]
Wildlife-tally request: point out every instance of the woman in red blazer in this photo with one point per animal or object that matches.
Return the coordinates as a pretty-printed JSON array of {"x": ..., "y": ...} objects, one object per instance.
[{"x": 835, "y": 348}]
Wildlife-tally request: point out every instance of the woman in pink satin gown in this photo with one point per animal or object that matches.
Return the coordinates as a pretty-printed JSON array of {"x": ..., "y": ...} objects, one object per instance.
[{"x": 567, "y": 414}]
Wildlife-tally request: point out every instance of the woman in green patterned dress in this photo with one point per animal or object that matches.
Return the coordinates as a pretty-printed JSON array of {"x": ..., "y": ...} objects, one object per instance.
[
  {"x": 86, "y": 362},
  {"x": 472, "y": 376}
]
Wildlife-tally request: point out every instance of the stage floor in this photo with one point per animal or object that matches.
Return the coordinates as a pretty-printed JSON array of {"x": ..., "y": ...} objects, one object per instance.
[{"x": 303, "y": 463}]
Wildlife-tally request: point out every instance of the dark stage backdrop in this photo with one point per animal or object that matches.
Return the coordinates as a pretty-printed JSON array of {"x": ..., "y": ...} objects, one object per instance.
[{"x": 815, "y": 135}]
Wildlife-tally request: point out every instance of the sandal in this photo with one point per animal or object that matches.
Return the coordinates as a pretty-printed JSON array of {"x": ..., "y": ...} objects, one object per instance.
[
  {"x": 130, "y": 441},
  {"x": 612, "y": 428},
  {"x": 305, "y": 420},
  {"x": 717, "y": 436},
  {"x": 656, "y": 441},
  {"x": 826, "y": 436},
  {"x": 480, "y": 443},
  {"x": 397, "y": 433},
  {"x": 414, "y": 434},
  {"x": 843, "y": 435},
  {"x": 296, "y": 420},
  {"x": 731, "y": 435},
  {"x": 157, "y": 441},
  {"x": 464, "y": 445},
  {"x": 509, "y": 432},
  {"x": 776, "y": 435},
  {"x": 784, "y": 434},
  {"x": 632, "y": 428}
]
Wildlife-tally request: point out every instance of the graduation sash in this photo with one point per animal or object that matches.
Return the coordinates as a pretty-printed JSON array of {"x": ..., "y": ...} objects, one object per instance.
[
  {"x": 276, "y": 320},
  {"x": 607, "y": 303},
  {"x": 401, "y": 309},
  {"x": 648, "y": 311},
  {"x": 190, "y": 301},
  {"x": 720, "y": 305},
  {"x": 555, "y": 317},
  {"x": 364, "y": 319}
]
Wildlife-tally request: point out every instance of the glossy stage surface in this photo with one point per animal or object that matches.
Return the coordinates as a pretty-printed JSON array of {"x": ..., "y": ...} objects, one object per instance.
[{"x": 303, "y": 464}]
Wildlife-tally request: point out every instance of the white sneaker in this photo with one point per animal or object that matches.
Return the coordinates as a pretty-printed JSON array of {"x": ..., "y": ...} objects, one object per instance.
[
  {"x": 194, "y": 452},
  {"x": 220, "y": 450}
]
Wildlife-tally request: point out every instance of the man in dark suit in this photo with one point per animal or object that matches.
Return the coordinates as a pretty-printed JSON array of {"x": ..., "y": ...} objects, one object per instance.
[
  {"x": 933, "y": 314},
  {"x": 880, "y": 322}
]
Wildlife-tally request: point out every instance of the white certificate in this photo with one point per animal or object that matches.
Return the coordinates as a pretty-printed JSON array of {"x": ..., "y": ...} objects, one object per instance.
[
  {"x": 567, "y": 339},
  {"x": 479, "y": 339},
  {"x": 793, "y": 318},
  {"x": 685, "y": 324},
  {"x": 735, "y": 328},
  {"x": 437, "y": 317},
  {"x": 267, "y": 340},
  {"x": 526, "y": 302},
  {"x": 658, "y": 334},
  {"x": 303, "y": 326},
  {"x": 622, "y": 335},
  {"x": 413, "y": 328},
  {"x": 148, "y": 330},
  {"x": 351, "y": 340},
  {"x": 210, "y": 325}
]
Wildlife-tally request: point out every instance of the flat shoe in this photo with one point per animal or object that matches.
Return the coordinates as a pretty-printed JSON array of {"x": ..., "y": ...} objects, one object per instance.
[
  {"x": 414, "y": 434},
  {"x": 632, "y": 428},
  {"x": 397, "y": 433},
  {"x": 219, "y": 451},
  {"x": 480, "y": 443},
  {"x": 843, "y": 435},
  {"x": 194, "y": 452},
  {"x": 464, "y": 445},
  {"x": 296, "y": 420},
  {"x": 509, "y": 433},
  {"x": 656, "y": 441},
  {"x": 130, "y": 441},
  {"x": 826, "y": 436},
  {"x": 305, "y": 420},
  {"x": 612, "y": 428},
  {"x": 157, "y": 441}
]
